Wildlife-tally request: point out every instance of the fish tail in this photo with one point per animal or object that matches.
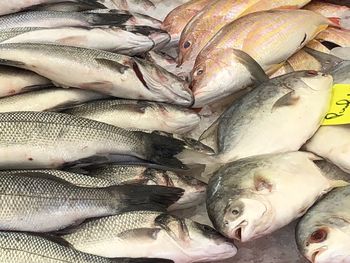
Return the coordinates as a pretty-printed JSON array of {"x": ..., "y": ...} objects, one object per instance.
[
  {"x": 144, "y": 197},
  {"x": 94, "y": 4},
  {"x": 141, "y": 260},
  {"x": 100, "y": 19}
]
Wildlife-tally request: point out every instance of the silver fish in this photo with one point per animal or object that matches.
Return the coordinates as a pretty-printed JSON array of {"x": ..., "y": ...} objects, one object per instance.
[
  {"x": 194, "y": 190},
  {"x": 8, "y": 7},
  {"x": 102, "y": 71},
  {"x": 41, "y": 203},
  {"x": 143, "y": 115},
  {"x": 60, "y": 19},
  {"x": 67, "y": 6},
  {"x": 323, "y": 234},
  {"x": 16, "y": 247},
  {"x": 152, "y": 234},
  {"x": 14, "y": 81},
  {"x": 34, "y": 140},
  {"x": 127, "y": 40},
  {"x": 255, "y": 196},
  {"x": 260, "y": 122},
  {"x": 50, "y": 99}
]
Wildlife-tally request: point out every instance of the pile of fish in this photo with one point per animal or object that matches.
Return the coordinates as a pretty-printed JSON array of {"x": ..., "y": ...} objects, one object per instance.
[{"x": 115, "y": 116}]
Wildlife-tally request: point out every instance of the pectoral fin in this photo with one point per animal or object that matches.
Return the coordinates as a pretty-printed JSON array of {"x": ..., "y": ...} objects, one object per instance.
[
  {"x": 112, "y": 64},
  {"x": 289, "y": 99}
]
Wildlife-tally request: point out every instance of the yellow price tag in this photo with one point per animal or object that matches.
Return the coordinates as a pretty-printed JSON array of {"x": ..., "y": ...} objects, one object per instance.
[{"x": 339, "y": 112}]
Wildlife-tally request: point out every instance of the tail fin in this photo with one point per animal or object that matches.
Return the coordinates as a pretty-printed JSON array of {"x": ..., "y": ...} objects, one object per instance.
[
  {"x": 100, "y": 18},
  {"x": 163, "y": 150},
  {"x": 141, "y": 260},
  {"x": 138, "y": 197}
]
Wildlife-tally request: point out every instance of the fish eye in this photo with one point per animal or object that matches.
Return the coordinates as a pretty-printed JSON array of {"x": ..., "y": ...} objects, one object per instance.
[
  {"x": 199, "y": 71},
  {"x": 312, "y": 72},
  {"x": 318, "y": 236},
  {"x": 235, "y": 212},
  {"x": 187, "y": 44}
]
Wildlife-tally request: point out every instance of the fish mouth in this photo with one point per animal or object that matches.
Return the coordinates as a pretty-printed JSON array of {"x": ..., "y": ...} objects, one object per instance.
[
  {"x": 238, "y": 231},
  {"x": 316, "y": 254}
]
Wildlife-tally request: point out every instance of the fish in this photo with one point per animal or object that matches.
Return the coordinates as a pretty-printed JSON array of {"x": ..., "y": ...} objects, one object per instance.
[
  {"x": 176, "y": 21},
  {"x": 35, "y": 202},
  {"x": 255, "y": 196},
  {"x": 142, "y": 115},
  {"x": 127, "y": 40},
  {"x": 323, "y": 234},
  {"x": 251, "y": 34},
  {"x": 17, "y": 247},
  {"x": 339, "y": 37},
  {"x": 8, "y": 7},
  {"x": 341, "y": 52},
  {"x": 152, "y": 234},
  {"x": 49, "y": 19},
  {"x": 67, "y": 6},
  {"x": 194, "y": 190},
  {"x": 211, "y": 19},
  {"x": 259, "y": 122},
  {"x": 154, "y": 8},
  {"x": 49, "y": 99},
  {"x": 105, "y": 72},
  {"x": 15, "y": 81},
  {"x": 39, "y": 140},
  {"x": 317, "y": 45},
  {"x": 335, "y": 11}
]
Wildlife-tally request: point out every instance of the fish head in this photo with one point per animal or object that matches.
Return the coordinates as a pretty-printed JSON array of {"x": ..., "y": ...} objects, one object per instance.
[
  {"x": 164, "y": 85},
  {"x": 199, "y": 242},
  {"x": 314, "y": 80},
  {"x": 222, "y": 72},
  {"x": 326, "y": 242}
]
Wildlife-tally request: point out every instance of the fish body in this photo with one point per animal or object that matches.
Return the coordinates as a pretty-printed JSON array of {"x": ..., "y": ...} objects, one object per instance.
[
  {"x": 105, "y": 72},
  {"x": 207, "y": 23},
  {"x": 194, "y": 190},
  {"x": 177, "y": 19},
  {"x": 152, "y": 234},
  {"x": 34, "y": 140},
  {"x": 323, "y": 234},
  {"x": 316, "y": 45},
  {"x": 264, "y": 36},
  {"x": 36, "y": 202},
  {"x": 255, "y": 196},
  {"x": 14, "y": 81},
  {"x": 340, "y": 37},
  {"x": 67, "y": 6},
  {"x": 50, "y": 99},
  {"x": 127, "y": 40},
  {"x": 19, "y": 247},
  {"x": 142, "y": 115},
  {"x": 327, "y": 9},
  {"x": 259, "y": 122}
]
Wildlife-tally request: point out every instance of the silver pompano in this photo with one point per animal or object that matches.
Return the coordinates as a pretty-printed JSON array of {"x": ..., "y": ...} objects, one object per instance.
[
  {"x": 152, "y": 234},
  {"x": 59, "y": 19},
  {"x": 18, "y": 247},
  {"x": 128, "y": 40},
  {"x": 102, "y": 71},
  {"x": 7, "y": 7},
  {"x": 260, "y": 122},
  {"x": 50, "y": 99},
  {"x": 15, "y": 80},
  {"x": 255, "y": 196},
  {"x": 323, "y": 234},
  {"x": 41, "y": 203},
  {"x": 48, "y": 140},
  {"x": 139, "y": 174},
  {"x": 143, "y": 115}
]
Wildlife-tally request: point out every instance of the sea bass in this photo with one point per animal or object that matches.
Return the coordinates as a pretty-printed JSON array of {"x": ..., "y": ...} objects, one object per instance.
[
  {"x": 50, "y": 99},
  {"x": 176, "y": 20},
  {"x": 32, "y": 140},
  {"x": 142, "y": 115},
  {"x": 323, "y": 234},
  {"x": 102, "y": 71},
  {"x": 259, "y": 122},
  {"x": 42, "y": 203},
  {"x": 127, "y": 40},
  {"x": 14, "y": 81},
  {"x": 67, "y": 6},
  {"x": 16, "y": 247},
  {"x": 255, "y": 196},
  {"x": 215, "y": 16},
  {"x": 152, "y": 234},
  {"x": 268, "y": 42}
]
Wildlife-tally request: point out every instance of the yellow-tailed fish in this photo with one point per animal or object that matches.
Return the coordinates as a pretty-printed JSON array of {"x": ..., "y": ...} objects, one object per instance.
[
  {"x": 269, "y": 37},
  {"x": 338, "y": 37},
  {"x": 177, "y": 19},
  {"x": 211, "y": 19}
]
